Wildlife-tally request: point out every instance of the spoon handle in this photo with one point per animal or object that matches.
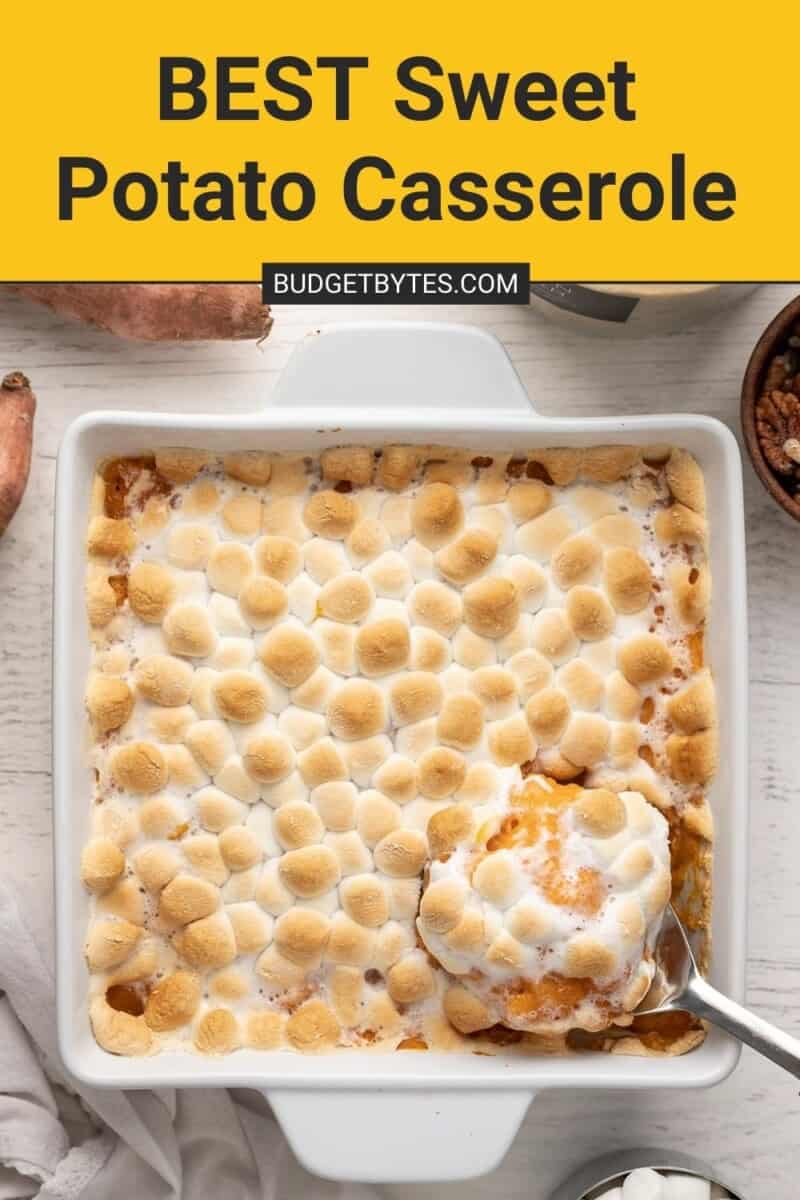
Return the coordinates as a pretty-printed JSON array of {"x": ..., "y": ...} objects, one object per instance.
[{"x": 705, "y": 1001}]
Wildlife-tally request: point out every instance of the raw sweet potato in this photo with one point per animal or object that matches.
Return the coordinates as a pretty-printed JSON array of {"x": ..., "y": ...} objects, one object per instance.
[
  {"x": 17, "y": 407},
  {"x": 160, "y": 312}
]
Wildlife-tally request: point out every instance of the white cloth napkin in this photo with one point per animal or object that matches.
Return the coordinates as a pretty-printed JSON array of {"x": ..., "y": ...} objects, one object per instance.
[{"x": 64, "y": 1141}]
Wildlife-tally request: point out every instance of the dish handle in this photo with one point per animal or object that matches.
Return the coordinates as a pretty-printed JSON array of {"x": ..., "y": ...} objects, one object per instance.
[
  {"x": 392, "y": 1136},
  {"x": 401, "y": 364}
]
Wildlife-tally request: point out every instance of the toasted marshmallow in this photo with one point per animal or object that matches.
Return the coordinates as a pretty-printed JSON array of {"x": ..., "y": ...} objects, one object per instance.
[
  {"x": 330, "y": 515},
  {"x": 437, "y": 514},
  {"x": 109, "y": 702}
]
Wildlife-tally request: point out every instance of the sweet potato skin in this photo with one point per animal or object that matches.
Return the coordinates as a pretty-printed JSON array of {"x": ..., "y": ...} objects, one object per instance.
[
  {"x": 160, "y": 312},
  {"x": 17, "y": 409}
]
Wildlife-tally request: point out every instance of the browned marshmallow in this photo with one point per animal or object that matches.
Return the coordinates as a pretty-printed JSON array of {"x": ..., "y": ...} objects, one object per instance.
[
  {"x": 218, "y": 1032},
  {"x": 448, "y": 827},
  {"x": 289, "y": 654},
  {"x": 383, "y": 647},
  {"x": 644, "y": 659},
  {"x": 576, "y": 560},
  {"x": 491, "y": 607},
  {"x": 173, "y": 1001},
  {"x": 186, "y": 898},
  {"x": 109, "y": 538},
  {"x": 312, "y": 1027},
  {"x": 347, "y": 598},
  {"x": 437, "y": 514},
  {"x": 397, "y": 467},
  {"x": 685, "y": 481},
  {"x": 441, "y": 771},
  {"x": 139, "y": 767},
  {"x": 415, "y": 696},
  {"x": 297, "y": 824},
  {"x": 164, "y": 680},
  {"x": 465, "y": 1011},
  {"x": 188, "y": 631},
  {"x": 110, "y": 943},
  {"x": 467, "y": 557},
  {"x": 330, "y": 515},
  {"x": 151, "y": 590},
  {"x": 679, "y": 524},
  {"x": 277, "y": 556},
  {"x": 109, "y": 702},
  {"x": 252, "y": 467},
  {"x": 309, "y": 872},
  {"x": 436, "y": 606},
  {"x": 179, "y": 464},
  {"x": 352, "y": 464},
  {"x": 241, "y": 516},
  {"x": 102, "y": 864},
  {"x": 693, "y": 708},
  {"x": 628, "y": 579},
  {"x": 301, "y": 935},
  {"x": 460, "y": 722},
  {"x": 240, "y": 697},
  {"x": 263, "y": 601},
  {"x": 590, "y": 614},
  {"x": 208, "y": 944},
  {"x": 357, "y": 710}
]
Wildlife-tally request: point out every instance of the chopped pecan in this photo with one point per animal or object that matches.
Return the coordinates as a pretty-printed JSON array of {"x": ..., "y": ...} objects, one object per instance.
[
  {"x": 778, "y": 423},
  {"x": 776, "y": 374}
]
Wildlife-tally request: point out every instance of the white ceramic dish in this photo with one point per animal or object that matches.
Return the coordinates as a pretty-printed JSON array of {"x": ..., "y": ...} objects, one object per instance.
[{"x": 356, "y": 1114}]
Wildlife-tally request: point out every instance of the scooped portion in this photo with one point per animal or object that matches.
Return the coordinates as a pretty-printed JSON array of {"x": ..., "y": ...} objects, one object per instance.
[{"x": 545, "y": 906}]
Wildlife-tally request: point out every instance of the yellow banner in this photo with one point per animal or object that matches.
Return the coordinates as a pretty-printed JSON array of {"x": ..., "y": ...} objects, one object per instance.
[{"x": 610, "y": 142}]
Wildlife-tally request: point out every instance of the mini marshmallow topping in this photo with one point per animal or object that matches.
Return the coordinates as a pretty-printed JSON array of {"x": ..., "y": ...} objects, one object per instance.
[{"x": 379, "y": 740}]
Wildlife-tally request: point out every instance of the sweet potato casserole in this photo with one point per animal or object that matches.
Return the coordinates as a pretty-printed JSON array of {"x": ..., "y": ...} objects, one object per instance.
[{"x": 395, "y": 747}]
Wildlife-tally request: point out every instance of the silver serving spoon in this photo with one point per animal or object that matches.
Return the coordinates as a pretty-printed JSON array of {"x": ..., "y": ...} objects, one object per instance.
[{"x": 678, "y": 984}]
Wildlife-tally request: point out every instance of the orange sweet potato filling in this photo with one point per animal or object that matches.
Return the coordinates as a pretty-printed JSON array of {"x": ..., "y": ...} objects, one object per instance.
[
  {"x": 537, "y": 811},
  {"x": 549, "y": 998},
  {"x": 120, "y": 474},
  {"x": 127, "y": 997}
]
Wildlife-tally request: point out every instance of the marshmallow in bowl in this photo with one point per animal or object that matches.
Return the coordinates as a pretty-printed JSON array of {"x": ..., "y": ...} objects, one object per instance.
[
  {"x": 643, "y": 1184},
  {"x": 646, "y": 1184},
  {"x": 565, "y": 888}
]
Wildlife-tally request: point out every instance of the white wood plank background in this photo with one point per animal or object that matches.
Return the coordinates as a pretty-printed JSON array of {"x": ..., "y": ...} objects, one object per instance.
[{"x": 750, "y": 1125}]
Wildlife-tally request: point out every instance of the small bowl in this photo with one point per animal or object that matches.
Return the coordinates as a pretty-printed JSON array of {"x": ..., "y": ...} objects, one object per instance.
[
  {"x": 771, "y": 341},
  {"x": 634, "y": 309},
  {"x": 611, "y": 1170}
]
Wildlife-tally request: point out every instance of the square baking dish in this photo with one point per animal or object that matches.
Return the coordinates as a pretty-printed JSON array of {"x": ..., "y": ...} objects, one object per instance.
[{"x": 358, "y": 1114}]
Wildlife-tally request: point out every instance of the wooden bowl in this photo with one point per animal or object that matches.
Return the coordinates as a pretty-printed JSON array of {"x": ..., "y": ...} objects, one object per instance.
[{"x": 771, "y": 341}]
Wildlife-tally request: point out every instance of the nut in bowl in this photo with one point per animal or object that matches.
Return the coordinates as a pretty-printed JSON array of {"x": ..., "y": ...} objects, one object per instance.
[{"x": 771, "y": 409}]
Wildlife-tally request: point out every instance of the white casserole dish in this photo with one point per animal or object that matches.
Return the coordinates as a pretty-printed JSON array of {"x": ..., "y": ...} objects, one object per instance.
[{"x": 356, "y": 1114}]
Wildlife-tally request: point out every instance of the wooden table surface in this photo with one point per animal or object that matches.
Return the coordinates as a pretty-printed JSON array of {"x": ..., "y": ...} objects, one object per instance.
[{"x": 749, "y": 1126}]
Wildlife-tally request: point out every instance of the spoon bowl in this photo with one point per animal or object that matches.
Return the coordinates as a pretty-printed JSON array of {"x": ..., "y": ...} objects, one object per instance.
[
  {"x": 675, "y": 968},
  {"x": 678, "y": 984}
]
